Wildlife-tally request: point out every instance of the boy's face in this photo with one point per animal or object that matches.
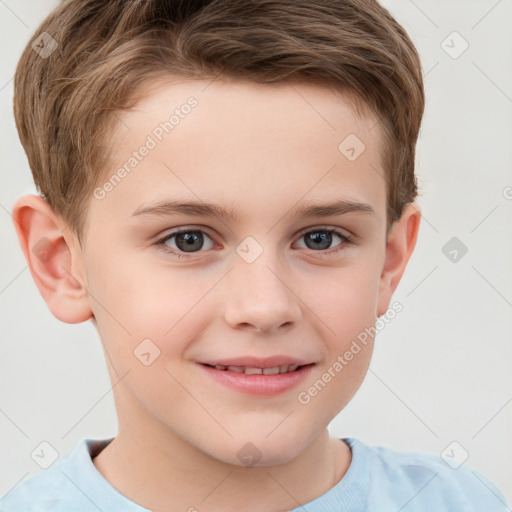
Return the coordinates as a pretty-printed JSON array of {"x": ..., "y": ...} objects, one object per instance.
[{"x": 266, "y": 282}]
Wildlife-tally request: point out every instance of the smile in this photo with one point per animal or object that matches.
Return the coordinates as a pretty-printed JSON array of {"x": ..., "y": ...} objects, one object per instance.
[
  {"x": 252, "y": 380},
  {"x": 258, "y": 371}
]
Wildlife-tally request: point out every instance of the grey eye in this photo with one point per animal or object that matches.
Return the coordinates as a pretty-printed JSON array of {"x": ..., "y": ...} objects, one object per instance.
[
  {"x": 189, "y": 241},
  {"x": 320, "y": 239}
]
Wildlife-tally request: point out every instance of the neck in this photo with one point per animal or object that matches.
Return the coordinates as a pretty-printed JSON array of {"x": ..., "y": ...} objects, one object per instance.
[{"x": 167, "y": 474}]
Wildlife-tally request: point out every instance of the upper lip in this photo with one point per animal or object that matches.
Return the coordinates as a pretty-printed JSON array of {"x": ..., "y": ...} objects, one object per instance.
[{"x": 257, "y": 362}]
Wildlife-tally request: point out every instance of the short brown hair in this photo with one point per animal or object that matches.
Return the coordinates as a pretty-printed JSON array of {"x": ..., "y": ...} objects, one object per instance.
[{"x": 64, "y": 104}]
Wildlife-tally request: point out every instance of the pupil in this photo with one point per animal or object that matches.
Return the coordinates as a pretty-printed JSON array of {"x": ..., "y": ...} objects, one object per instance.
[
  {"x": 319, "y": 240},
  {"x": 190, "y": 241}
]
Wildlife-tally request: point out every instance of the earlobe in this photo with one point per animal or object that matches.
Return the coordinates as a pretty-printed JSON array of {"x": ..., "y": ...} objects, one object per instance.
[
  {"x": 51, "y": 258},
  {"x": 399, "y": 248}
]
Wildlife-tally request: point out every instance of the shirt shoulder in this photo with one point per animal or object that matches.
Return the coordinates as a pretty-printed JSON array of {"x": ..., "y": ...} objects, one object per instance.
[
  {"x": 384, "y": 480},
  {"x": 424, "y": 482},
  {"x": 43, "y": 492},
  {"x": 71, "y": 485}
]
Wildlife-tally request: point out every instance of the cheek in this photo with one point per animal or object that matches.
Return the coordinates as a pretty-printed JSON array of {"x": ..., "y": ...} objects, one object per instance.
[
  {"x": 133, "y": 302},
  {"x": 346, "y": 300},
  {"x": 346, "y": 304},
  {"x": 141, "y": 293}
]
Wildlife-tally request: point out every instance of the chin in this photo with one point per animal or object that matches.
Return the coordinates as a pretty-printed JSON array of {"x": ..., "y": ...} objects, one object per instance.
[{"x": 259, "y": 451}]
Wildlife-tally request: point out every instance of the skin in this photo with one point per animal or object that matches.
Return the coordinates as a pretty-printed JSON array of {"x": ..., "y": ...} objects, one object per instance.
[{"x": 261, "y": 149}]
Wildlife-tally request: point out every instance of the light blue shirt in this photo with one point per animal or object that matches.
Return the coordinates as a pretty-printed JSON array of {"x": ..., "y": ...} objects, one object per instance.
[{"x": 378, "y": 480}]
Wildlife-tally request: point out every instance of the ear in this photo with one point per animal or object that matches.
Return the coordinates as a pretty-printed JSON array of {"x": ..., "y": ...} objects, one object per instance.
[
  {"x": 399, "y": 247},
  {"x": 53, "y": 255}
]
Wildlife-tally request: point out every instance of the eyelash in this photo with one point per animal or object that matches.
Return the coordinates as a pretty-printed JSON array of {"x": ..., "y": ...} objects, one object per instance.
[{"x": 345, "y": 241}]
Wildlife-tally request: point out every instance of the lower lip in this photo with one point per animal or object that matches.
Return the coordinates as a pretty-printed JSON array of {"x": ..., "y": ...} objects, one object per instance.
[{"x": 261, "y": 385}]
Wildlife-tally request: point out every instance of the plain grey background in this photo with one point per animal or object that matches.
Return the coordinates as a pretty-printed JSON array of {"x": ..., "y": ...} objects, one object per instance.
[{"x": 441, "y": 372}]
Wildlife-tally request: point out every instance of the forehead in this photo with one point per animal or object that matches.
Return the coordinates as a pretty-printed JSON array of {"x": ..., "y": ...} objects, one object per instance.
[{"x": 243, "y": 144}]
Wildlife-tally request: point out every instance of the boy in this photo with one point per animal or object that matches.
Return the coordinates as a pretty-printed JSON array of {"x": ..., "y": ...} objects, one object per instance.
[{"x": 228, "y": 194}]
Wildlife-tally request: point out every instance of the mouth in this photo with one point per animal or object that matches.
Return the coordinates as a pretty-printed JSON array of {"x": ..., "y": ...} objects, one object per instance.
[
  {"x": 248, "y": 370},
  {"x": 263, "y": 378}
]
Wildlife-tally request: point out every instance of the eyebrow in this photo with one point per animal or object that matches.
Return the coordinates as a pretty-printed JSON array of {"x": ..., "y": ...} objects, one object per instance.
[{"x": 169, "y": 207}]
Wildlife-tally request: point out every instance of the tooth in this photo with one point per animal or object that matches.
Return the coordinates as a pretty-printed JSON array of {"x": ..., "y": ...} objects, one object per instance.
[
  {"x": 271, "y": 371},
  {"x": 238, "y": 369},
  {"x": 253, "y": 371},
  {"x": 283, "y": 369},
  {"x": 292, "y": 367},
  {"x": 220, "y": 367}
]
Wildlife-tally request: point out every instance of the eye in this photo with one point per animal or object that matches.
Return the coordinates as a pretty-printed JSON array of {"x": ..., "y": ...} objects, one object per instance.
[
  {"x": 322, "y": 239},
  {"x": 185, "y": 241},
  {"x": 181, "y": 243}
]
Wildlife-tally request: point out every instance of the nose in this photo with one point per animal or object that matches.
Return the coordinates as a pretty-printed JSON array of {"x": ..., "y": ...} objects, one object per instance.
[{"x": 260, "y": 296}]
